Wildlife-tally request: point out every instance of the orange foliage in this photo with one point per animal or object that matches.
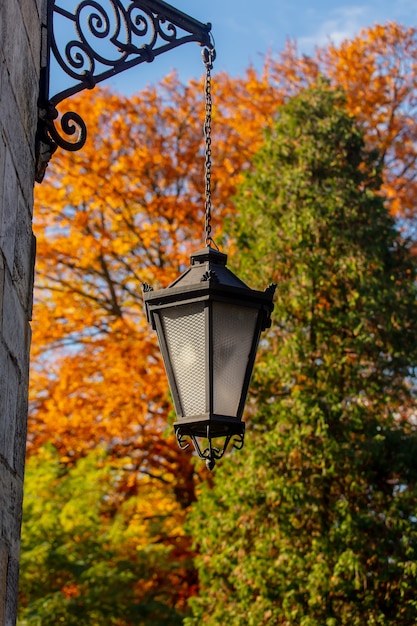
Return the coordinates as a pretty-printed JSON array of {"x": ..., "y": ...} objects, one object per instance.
[
  {"x": 118, "y": 214},
  {"x": 378, "y": 72}
]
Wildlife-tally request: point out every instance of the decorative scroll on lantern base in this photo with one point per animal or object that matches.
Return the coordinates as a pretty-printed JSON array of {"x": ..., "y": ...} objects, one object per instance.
[{"x": 204, "y": 444}]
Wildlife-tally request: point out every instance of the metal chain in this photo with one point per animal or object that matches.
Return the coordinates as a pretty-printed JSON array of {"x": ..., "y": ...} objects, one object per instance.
[{"x": 208, "y": 57}]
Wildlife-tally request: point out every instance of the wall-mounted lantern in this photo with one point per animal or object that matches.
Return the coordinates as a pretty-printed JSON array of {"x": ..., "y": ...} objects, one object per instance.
[{"x": 208, "y": 324}]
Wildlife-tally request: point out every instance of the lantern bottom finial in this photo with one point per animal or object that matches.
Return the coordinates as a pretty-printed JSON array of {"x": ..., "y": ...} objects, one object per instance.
[{"x": 210, "y": 454}]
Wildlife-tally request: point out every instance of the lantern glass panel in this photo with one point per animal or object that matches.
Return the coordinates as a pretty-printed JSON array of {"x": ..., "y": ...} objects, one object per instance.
[
  {"x": 184, "y": 328},
  {"x": 234, "y": 327}
]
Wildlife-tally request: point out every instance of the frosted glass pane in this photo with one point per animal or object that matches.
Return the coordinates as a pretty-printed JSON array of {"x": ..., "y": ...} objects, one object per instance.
[
  {"x": 233, "y": 331},
  {"x": 184, "y": 328}
]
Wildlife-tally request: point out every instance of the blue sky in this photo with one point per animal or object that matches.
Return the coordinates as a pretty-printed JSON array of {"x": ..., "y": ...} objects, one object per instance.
[{"x": 245, "y": 30}]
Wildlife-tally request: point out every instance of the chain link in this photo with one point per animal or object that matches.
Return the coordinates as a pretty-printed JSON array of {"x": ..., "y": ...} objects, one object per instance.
[{"x": 208, "y": 58}]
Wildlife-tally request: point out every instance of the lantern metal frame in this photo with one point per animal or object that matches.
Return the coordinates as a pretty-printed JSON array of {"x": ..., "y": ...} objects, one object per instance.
[
  {"x": 101, "y": 40},
  {"x": 208, "y": 281}
]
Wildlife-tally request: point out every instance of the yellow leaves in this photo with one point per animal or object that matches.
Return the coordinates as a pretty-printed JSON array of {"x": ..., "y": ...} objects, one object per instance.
[{"x": 70, "y": 591}]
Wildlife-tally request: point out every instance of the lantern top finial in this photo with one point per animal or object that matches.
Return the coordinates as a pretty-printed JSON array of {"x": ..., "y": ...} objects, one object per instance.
[
  {"x": 209, "y": 255},
  {"x": 208, "y": 266}
]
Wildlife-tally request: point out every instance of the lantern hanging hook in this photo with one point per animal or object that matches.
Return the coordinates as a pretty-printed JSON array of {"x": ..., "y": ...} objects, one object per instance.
[{"x": 209, "y": 55}]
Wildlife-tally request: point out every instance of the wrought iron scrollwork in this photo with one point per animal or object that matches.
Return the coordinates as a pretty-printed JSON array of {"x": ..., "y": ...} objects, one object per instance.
[
  {"x": 96, "y": 41},
  {"x": 210, "y": 453},
  {"x": 210, "y": 275}
]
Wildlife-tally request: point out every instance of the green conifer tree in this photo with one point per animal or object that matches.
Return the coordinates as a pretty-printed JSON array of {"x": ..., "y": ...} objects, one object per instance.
[{"x": 314, "y": 523}]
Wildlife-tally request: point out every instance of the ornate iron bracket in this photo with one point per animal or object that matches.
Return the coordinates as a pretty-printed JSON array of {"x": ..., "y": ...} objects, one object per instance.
[{"x": 99, "y": 40}]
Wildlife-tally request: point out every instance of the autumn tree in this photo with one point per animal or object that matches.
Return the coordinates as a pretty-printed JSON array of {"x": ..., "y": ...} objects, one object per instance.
[
  {"x": 128, "y": 209},
  {"x": 90, "y": 558},
  {"x": 315, "y": 524},
  {"x": 120, "y": 215}
]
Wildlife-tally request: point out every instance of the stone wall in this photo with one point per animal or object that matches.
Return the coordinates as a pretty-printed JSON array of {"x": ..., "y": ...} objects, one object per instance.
[{"x": 20, "y": 40}]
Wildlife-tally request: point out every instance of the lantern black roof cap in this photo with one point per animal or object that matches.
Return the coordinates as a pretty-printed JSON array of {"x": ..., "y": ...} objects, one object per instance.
[
  {"x": 208, "y": 277},
  {"x": 208, "y": 255},
  {"x": 208, "y": 266}
]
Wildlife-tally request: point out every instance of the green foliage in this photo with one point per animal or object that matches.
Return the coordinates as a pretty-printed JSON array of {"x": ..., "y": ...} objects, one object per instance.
[
  {"x": 80, "y": 563},
  {"x": 314, "y": 523}
]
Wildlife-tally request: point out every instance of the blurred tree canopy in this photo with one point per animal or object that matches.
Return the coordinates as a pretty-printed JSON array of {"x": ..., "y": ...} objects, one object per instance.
[{"x": 129, "y": 209}]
